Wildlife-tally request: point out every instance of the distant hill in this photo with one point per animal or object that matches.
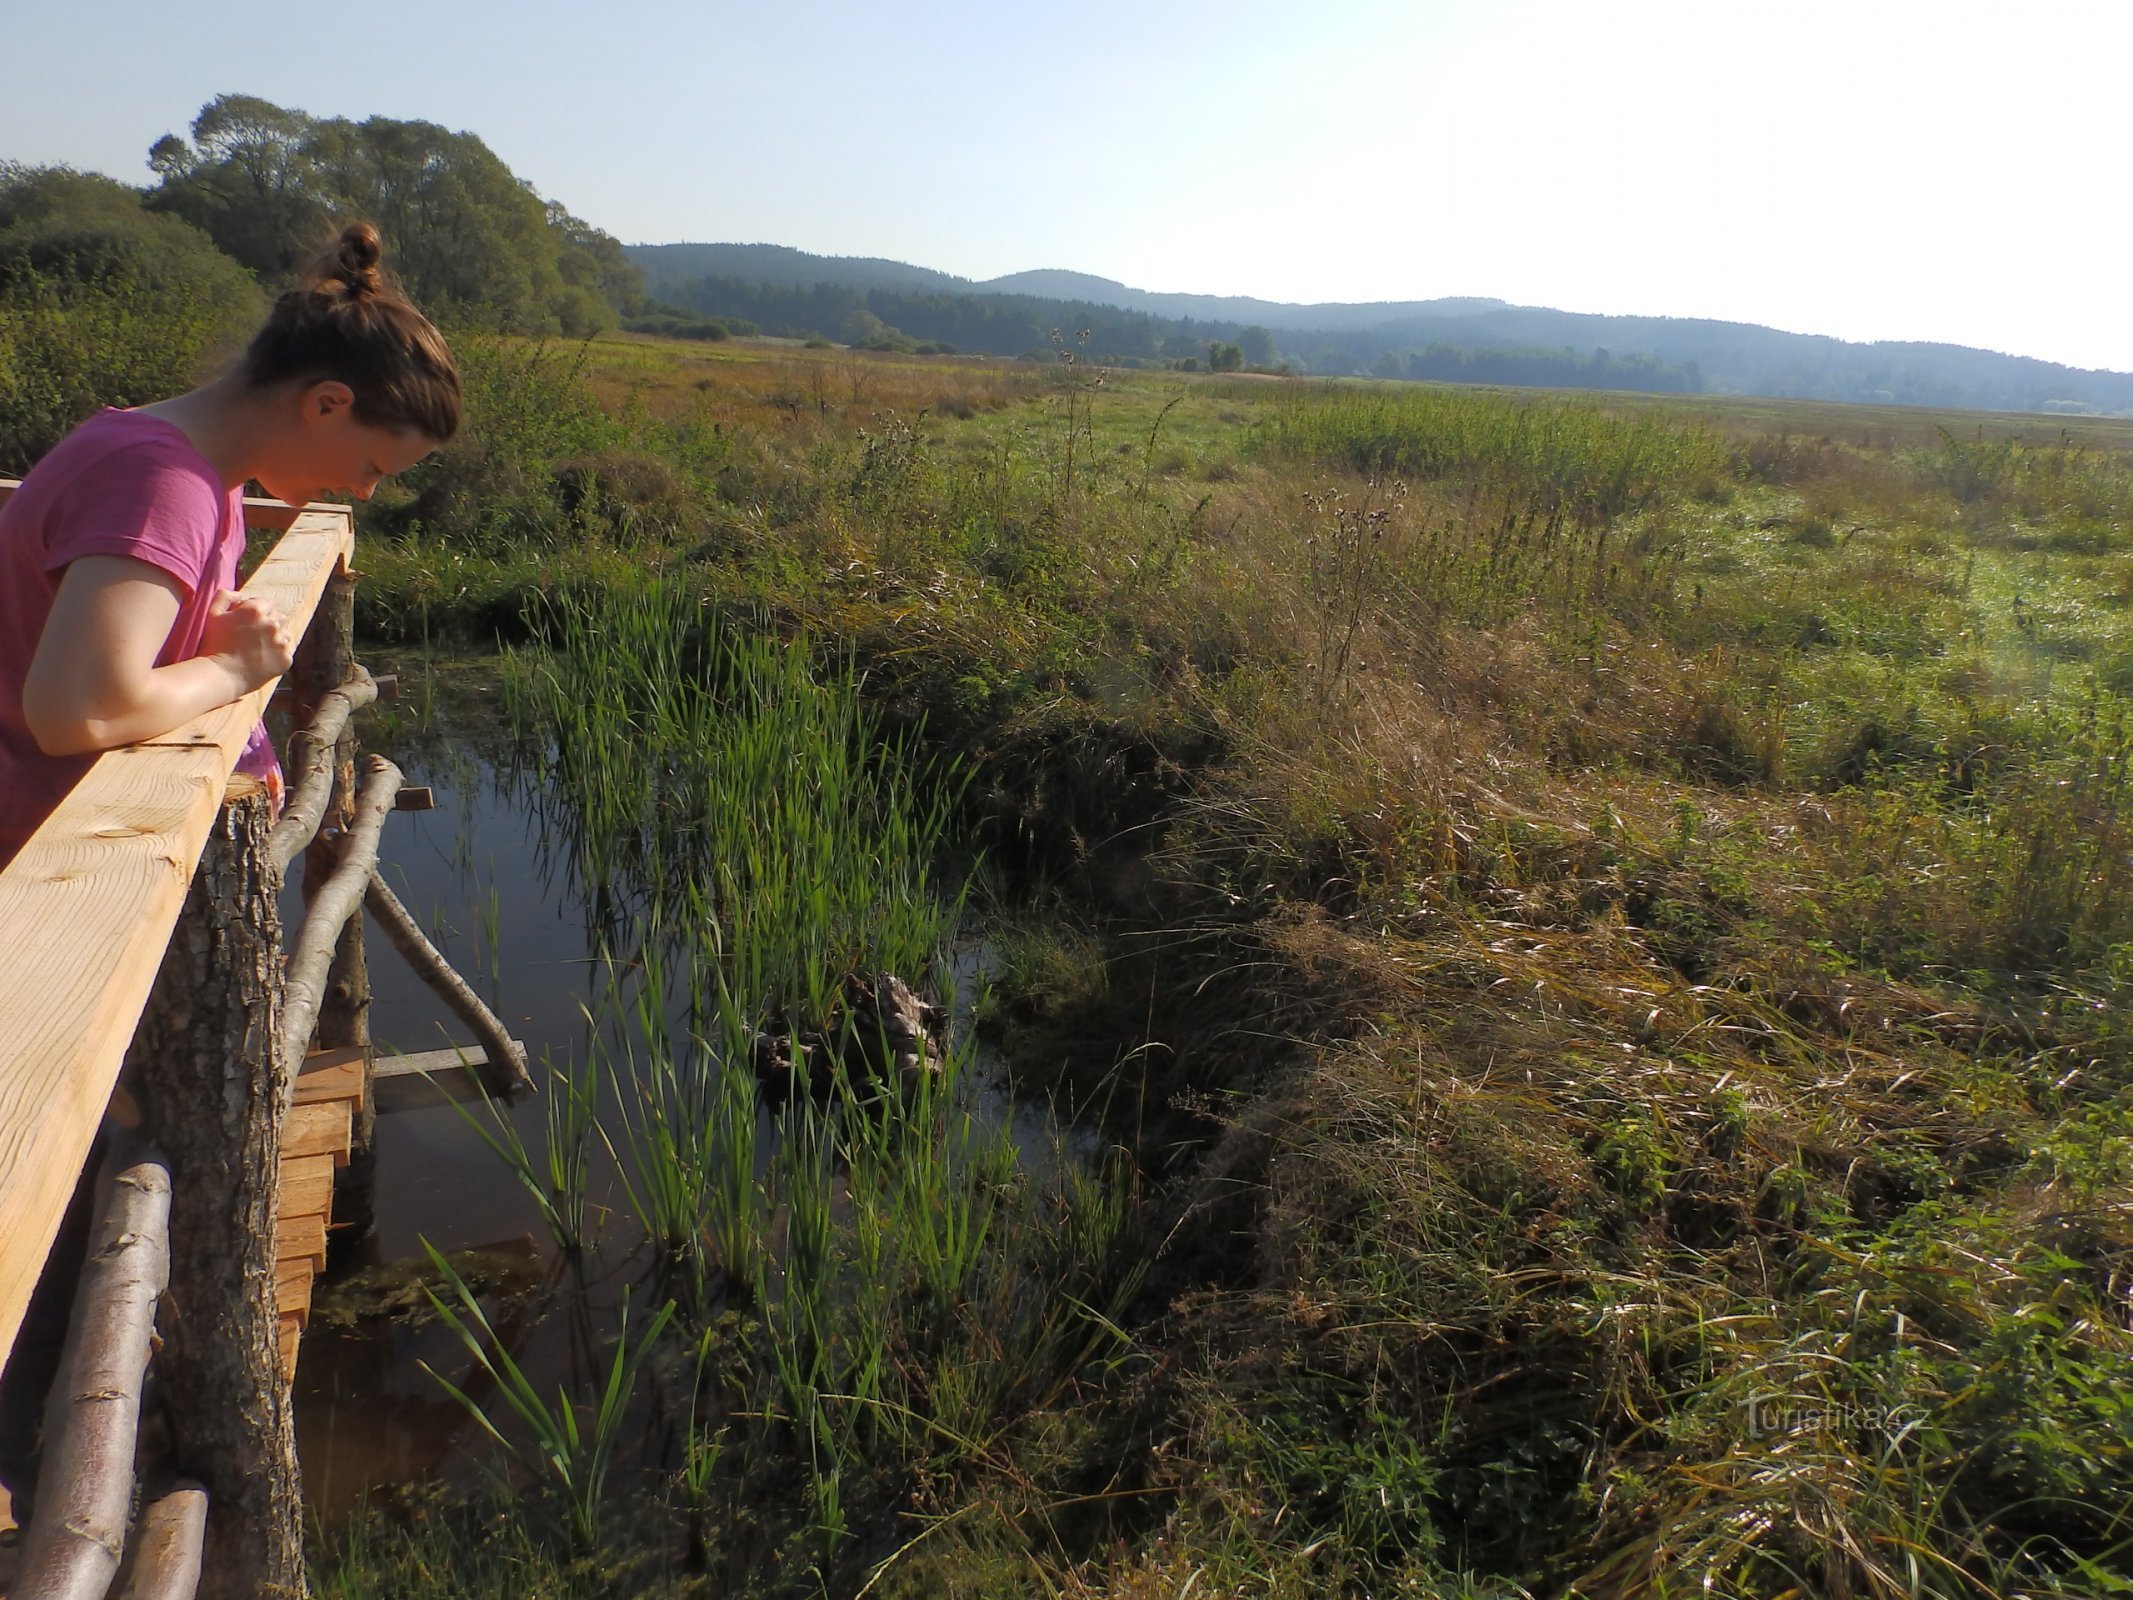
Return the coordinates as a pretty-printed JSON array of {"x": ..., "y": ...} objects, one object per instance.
[
  {"x": 672, "y": 264},
  {"x": 1240, "y": 309},
  {"x": 1483, "y": 339}
]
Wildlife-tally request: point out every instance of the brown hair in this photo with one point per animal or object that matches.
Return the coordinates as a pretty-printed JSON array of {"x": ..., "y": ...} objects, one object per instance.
[{"x": 346, "y": 320}]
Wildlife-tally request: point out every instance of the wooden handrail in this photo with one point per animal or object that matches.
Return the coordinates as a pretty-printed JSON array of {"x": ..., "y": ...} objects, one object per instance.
[{"x": 88, "y": 905}]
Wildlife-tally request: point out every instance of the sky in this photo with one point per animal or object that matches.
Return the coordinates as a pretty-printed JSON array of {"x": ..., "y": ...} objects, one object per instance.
[{"x": 1872, "y": 169}]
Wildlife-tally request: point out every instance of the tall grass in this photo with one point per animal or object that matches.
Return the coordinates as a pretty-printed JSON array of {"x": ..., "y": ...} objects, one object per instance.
[
  {"x": 1563, "y": 461},
  {"x": 568, "y": 1456},
  {"x": 1658, "y": 990},
  {"x": 740, "y": 791},
  {"x": 912, "y": 1288},
  {"x": 1530, "y": 500}
]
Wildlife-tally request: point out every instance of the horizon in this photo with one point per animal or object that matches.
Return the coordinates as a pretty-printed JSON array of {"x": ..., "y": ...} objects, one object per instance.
[
  {"x": 1922, "y": 173},
  {"x": 1306, "y": 305}
]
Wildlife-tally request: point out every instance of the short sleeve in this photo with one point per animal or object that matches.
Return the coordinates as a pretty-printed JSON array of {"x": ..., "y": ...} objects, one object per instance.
[{"x": 143, "y": 503}]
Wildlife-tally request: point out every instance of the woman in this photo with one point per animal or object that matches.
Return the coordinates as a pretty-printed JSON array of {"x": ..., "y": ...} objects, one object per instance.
[{"x": 118, "y": 553}]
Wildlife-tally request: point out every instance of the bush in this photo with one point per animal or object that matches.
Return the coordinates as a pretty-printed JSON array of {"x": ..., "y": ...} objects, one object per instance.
[{"x": 102, "y": 304}]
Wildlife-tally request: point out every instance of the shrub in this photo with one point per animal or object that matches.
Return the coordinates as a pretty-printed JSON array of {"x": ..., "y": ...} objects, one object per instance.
[{"x": 102, "y": 304}]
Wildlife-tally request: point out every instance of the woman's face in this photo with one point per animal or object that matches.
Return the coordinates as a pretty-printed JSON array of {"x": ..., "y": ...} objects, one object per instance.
[{"x": 323, "y": 451}]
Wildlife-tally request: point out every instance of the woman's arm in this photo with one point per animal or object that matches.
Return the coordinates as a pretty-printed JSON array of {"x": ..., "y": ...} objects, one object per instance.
[{"x": 94, "y": 684}]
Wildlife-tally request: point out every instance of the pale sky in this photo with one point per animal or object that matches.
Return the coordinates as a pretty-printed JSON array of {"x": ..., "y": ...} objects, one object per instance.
[{"x": 1870, "y": 169}]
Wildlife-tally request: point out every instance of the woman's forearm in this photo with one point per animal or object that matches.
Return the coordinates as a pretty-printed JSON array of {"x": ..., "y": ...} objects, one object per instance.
[
  {"x": 94, "y": 683},
  {"x": 162, "y": 699}
]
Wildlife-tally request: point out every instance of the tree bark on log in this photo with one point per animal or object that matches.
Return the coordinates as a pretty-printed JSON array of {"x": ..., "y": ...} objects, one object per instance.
[
  {"x": 167, "y": 1546},
  {"x": 325, "y": 674},
  {"x": 85, "y": 1486},
  {"x": 212, "y": 1086}
]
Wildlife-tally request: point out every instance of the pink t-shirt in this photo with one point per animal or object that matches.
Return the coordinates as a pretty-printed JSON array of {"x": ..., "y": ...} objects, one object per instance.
[{"x": 121, "y": 484}]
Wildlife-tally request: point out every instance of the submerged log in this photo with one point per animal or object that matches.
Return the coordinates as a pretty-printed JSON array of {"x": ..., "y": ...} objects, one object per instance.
[
  {"x": 212, "y": 1085},
  {"x": 92, "y": 1422}
]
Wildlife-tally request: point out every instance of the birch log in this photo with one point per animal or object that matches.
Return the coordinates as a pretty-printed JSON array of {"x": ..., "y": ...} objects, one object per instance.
[
  {"x": 167, "y": 1546},
  {"x": 314, "y": 760},
  {"x": 326, "y": 672},
  {"x": 505, "y": 1069},
  {"x": 338, "y": 899},
  {"x": 93, "y": 1416}
]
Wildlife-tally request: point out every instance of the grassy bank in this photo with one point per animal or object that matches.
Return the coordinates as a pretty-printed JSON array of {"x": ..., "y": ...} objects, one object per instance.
[{"x": 1594, "y": 932}]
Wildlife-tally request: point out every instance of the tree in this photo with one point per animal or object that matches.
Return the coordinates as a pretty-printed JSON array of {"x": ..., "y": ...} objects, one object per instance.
[
  {"x": 1258, "y": 347},
  {"x": 471, "y": 240},
  {"x": 1224, "y": 358},
  {"x": 245, "y": 181}
]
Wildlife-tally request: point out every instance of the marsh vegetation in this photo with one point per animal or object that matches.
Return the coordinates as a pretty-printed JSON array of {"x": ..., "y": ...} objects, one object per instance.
[{"x": 1587, "y": 939}]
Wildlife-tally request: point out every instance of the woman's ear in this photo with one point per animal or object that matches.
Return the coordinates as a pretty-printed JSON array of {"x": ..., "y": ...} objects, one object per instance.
[{"x": 323, "y": 399}]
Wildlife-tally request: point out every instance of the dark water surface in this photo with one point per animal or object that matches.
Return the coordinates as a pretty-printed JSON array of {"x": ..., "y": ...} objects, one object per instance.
[{"x": 476, "y": 873}]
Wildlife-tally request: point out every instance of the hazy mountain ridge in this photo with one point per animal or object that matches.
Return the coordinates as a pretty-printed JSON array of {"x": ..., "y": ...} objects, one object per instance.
[{"x": 1414, "y": 338}]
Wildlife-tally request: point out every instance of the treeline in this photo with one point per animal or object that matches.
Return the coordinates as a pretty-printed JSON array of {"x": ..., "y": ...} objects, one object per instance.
[
  {"x": 1554, "y": 369},
  {"x": 890, "y": 318},
  {"x": 102, "y": 302},
  {"x": 1008, "y": 325},
  {"x": 470, "y": 240},
  {"x": 113, "y": 295},
  {"x": 1500, "y": 343}
]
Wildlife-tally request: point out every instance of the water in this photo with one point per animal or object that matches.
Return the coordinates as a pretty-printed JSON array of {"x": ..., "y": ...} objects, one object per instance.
[{"x": 502, "y": 905}]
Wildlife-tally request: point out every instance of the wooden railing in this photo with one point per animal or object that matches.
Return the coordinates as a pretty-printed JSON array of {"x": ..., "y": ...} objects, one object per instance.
[
  {"x": 87, "y": 908},
  {"x": 88, "y": 912}
]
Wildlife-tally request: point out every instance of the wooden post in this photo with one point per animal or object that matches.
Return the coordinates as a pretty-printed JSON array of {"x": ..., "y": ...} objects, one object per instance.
[
  {"x": 324, "y": 661},
  {"x": 211, "y": 1085}
]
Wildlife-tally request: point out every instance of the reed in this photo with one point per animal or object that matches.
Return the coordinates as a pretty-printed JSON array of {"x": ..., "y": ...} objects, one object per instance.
[
  {"x": 570, "y": 1457},
  {"x": 558, "y": 1175}
]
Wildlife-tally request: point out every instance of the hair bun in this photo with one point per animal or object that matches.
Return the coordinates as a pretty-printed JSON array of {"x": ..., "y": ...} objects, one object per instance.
[{"x": 354, "y": 259}]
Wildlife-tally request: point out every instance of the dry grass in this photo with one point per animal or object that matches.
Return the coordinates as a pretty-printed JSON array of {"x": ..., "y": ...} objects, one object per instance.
[{"x": 1617, "y": 1003}]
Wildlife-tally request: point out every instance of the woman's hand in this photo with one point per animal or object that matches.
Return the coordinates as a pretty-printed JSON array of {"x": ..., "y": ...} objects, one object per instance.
[{"x": 249, "y": 634}]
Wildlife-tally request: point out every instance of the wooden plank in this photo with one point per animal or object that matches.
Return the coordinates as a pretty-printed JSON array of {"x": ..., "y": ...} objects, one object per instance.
[
  {"x": 328, "y": 1060},
  {"x": 325, "y": 1085},
  {"x": 292, "y": 1289},
  {"x": 292, "y": 1335},
  {"x": 432, "y": 1061},
  {"x": 317, "y": 1130},
  {"x": 302, "y": 1238},
  {"x": 85, "y": 911},
  {"x": 309, "y": 1195},
  {"x": 427, "y": 1078}
]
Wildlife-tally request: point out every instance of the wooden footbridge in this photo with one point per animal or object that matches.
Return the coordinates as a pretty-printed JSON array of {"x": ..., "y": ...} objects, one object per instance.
[{"x": 202, "y": 1092}]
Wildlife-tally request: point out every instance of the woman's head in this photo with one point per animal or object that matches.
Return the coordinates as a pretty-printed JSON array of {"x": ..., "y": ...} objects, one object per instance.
[{"x": 346, "y": 324}]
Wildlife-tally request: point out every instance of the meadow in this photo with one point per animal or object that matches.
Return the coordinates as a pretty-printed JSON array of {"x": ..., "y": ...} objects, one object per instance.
[{"x": 1590, "y": 930}]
